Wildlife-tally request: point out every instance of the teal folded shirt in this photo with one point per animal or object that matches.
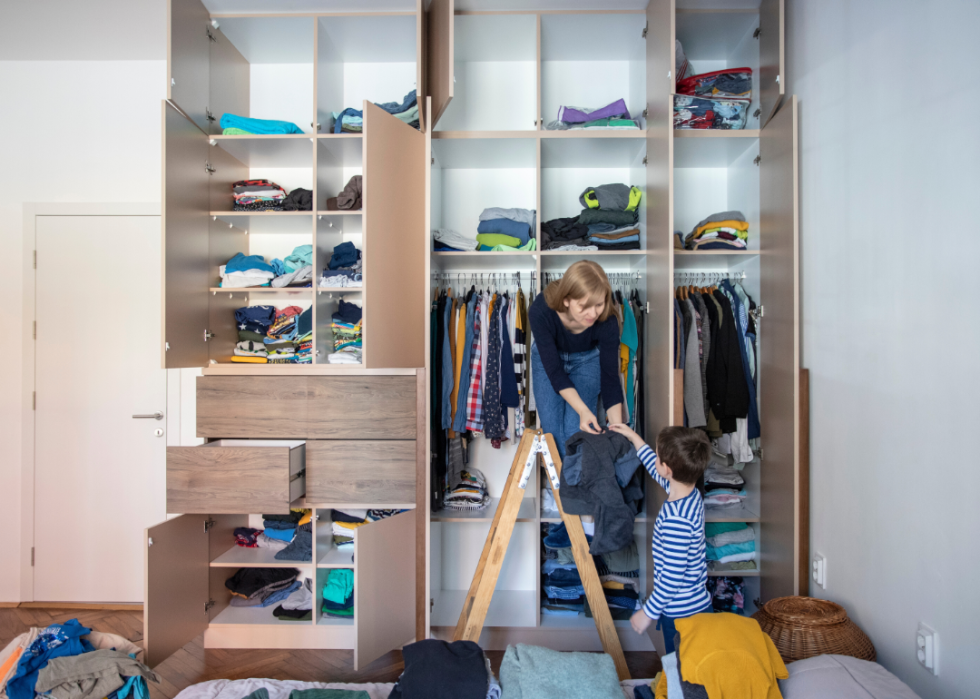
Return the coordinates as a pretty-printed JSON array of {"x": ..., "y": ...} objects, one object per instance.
[
  {"x": 258, "y": 126},
  {"x": 716, "y": 554}
]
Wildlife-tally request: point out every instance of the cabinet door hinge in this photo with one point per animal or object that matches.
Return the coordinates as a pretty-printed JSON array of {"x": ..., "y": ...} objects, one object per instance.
[
  {"x": 208, "y": 115},
  {"x": 35, "y": 259},
  {"x": 208, "y": 605},
  {"x": 646, "y": 27},
  {"x": 207, "y": 334},
  {"x": 644, "y": 160},
  {"x": 759, "y": 453},
  {"x": 646, "y": 112},
  {"x": 757, "y": 313},
  {"x": 757, "y": 159},
  {"x": 756, "y": 33},
  {"x": 211, "y": 36},
  {"x": 210, "y": 170},
  {"x": 166, "y": 346},
  {"x": 757, "y": 113},
  {"x": 32, "y": 556},
  {"x": 209, "y": 524}
]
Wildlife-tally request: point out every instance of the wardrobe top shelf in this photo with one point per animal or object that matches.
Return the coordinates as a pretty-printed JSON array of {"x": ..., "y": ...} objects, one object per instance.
[
  {"x": 571, "y": 133},
  {"x": 291, "y": 290},
  {"x": 527, "y": 512},
  {"x": 716, "y": 133},
  {"x": 306, "y": 370}
]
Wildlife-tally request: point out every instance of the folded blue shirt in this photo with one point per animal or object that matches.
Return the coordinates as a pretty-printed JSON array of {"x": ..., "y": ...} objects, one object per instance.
[
  {"x": 715, "y": 554},
  {"x": 243, "y": 263},
  {"x": 505, "y": 226},
  {"x": 258, "y": 126},
  {"x": 617, "y": 241},
  {"x": 281, "y": 534}
]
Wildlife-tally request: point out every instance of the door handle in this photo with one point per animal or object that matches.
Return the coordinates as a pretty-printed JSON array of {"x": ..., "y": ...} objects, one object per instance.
[{"x": 155, "y": 416}]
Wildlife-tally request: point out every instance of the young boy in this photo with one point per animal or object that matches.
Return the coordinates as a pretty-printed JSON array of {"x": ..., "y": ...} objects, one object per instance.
[{"x": 680, "y": 569}]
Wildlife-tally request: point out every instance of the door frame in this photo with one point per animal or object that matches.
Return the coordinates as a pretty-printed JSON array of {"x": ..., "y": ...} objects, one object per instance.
[{"x": 32, "y": 211}]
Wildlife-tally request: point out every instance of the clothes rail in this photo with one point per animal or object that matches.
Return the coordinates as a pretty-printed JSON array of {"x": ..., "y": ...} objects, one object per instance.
[{"x": 702, "y": 278}]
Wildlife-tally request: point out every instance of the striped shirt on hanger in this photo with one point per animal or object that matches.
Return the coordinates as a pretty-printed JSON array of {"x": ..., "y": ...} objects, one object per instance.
[{"x": 680, "y": 569}]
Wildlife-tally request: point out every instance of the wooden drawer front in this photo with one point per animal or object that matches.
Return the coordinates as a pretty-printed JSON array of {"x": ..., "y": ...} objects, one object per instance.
[
  {"x": 306, "y": 407},
  {"x": 229, "y": 480},
  {"x": 256, "y": 407},
  {"x": 371, "y": 472},
  {"x": 361, "y": 407}
]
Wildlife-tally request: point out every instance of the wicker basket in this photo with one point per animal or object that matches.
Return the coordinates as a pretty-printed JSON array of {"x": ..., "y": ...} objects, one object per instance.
[{"x": 802, "y": 627}]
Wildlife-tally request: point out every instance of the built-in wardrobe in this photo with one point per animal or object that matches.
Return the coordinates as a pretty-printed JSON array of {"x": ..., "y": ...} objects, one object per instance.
[{"x": 496, "y": 80}]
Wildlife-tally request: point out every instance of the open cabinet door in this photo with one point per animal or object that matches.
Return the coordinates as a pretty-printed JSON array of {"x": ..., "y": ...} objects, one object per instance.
[
  {"x": 440, "y": 51},
  {"x": 230, "y": 83},
  {"x": 659, "y": 203},
  {"x": 772, "y": 57},
  {"x": 779, "y": 352},
  {"x": 394, "y": 249},
  {"x": 176, "y": 586},
  {"x": 384, "y": 587},
  {"x": 185, "y": 241},
  {"x": 188, "y": 54}
]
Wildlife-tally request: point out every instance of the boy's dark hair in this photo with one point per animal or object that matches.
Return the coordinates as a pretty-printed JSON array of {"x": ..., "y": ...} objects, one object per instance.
[{"x": 686, "y": 451}]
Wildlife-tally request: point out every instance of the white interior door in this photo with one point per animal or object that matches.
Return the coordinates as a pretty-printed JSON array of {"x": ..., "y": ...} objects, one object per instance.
[{"x": 99, "y": 473}]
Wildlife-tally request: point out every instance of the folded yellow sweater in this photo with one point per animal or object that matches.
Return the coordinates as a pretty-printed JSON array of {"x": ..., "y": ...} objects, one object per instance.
[
  {"x": 737, "y": 225},
  {"x": 250, "y": 360}
]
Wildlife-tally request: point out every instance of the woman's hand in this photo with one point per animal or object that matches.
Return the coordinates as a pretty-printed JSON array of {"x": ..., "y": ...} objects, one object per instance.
[
  {"x": 628, "y": 433},
  {"x": 588, "y": 422},
  {"x": 640, "y": 621}
]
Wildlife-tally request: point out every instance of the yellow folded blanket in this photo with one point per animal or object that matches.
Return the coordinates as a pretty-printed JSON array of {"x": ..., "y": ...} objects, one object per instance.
[
  {"x": 737, "y": 225},
  {"x": 250, "y": 360}
]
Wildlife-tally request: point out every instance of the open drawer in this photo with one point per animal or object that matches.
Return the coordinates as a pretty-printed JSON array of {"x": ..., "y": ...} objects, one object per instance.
[{"x": 229, "y": 476}]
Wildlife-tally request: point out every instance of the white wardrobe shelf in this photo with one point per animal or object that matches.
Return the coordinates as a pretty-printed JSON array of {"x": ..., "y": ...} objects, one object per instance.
[
  {"x": 253, "y": 616},
  {"x": 266, "y": 222},
  {"x": 593, "y": 152},
  {"x": 353, "y": 212},
  {"x": 611, "y": 260},
  {"x": 526, "y": 513},
  {"x": 267, "y": 290},
  {"x": 329, "y": 556},
  {"x": 286, "y": 150},
  {"x": 483, "y": 261},
  {"x": 242, "y": 557},
  {"x": 712, "y": 261},
  {"x": 710, "y": 148}
]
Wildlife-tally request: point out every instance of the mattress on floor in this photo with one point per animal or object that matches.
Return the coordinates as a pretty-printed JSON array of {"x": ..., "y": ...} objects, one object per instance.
[{"x": 280, "y": 689}]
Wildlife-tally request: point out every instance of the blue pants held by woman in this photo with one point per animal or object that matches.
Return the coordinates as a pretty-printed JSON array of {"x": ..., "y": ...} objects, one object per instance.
[{"x": 555, "y": 415}]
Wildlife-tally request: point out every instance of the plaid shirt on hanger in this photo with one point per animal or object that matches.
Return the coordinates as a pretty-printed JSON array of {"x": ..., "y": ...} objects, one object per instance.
[{"x": 474, "y": 397}]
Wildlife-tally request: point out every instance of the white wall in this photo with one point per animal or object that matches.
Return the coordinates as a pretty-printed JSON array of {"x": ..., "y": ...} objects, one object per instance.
[
  {"x": 73, "y": 131},
  {"x": 889, "y": 146}
]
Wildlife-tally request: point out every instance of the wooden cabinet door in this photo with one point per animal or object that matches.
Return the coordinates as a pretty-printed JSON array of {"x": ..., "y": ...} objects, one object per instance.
[
  {"x": 440, "y": 53},
  {"x": 188, "y": 55},
  {"x": 229, "y": 81},
  {"x": 185, "y": 241},
  {"x": 395, "y": 288},
  {"x": 384, "y": 587},
  {"x": 176, "y": 580},
  {"x": 779, "y": 352},
  {"x": 772, "y": 57}
]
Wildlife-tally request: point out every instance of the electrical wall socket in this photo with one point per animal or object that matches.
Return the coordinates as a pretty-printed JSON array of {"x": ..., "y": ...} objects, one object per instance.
[
  {"x": 927, "y": 648},
  {"x": 818, "y": 570}
]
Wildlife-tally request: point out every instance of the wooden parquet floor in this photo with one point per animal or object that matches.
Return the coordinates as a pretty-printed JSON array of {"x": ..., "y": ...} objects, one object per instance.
[{"x": 193, "y": 663}]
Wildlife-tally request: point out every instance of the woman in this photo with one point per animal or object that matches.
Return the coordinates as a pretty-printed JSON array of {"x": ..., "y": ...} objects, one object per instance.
[{"x": 575, "y": 356}]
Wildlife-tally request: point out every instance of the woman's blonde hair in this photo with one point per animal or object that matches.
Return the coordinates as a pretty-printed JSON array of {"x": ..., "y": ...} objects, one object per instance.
[{"x": 583, "y": 280}]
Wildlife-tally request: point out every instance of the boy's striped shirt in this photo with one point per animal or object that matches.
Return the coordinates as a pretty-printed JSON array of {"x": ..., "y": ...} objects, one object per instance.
[{"x": 680, "y": 570}]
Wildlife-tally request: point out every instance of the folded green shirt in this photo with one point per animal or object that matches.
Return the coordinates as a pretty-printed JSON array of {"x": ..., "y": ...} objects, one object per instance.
[{"x": 495, "y": 239}]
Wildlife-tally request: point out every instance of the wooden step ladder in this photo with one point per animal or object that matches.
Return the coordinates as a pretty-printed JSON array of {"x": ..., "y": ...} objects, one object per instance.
[{"x": 535, "y": 444}]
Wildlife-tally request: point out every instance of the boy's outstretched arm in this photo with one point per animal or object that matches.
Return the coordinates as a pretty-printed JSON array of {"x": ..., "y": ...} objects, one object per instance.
[{"x": 646, "y": 454}]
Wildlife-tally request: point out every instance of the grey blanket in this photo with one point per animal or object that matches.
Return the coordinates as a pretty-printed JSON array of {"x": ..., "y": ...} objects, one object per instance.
[
  {"x": 97, "y": 674},
  {"x": 530, "y": 672}
]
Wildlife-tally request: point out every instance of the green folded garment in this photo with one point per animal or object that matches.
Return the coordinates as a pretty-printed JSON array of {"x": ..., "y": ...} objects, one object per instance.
[
  {"x": 494, "y": 239},
  {"x": 249, "y": 336},
  {"x": 715, "y": 528},
  {"x": 327, "y": 694},
  {"x": 617, "y": 218},
  {"x": 532, "y": 244},
  {"x": 236, "y": 132},
  {"x": 339, "y": 612}
]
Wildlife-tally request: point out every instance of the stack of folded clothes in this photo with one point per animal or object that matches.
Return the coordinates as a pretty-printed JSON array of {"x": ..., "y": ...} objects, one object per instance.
[
  {"x": 692, "y": 112},
  {"x": 243, "y": 271},
  {"x": 281, "y": 338},
  {"x": 262, "y": 587},
  {"x": 727, "y": 594},
  {"x": 233, "y": 125},
  {"x": 304, "y": 337},
  {"x": 470, "y": 494},
  {"x": 282, "y": 527},
  {"x": 296, "y": 269},
  {"x": 352, "y": 120},
  {"x": 729, "y": 84},
  {"x": 562, "y": 591},
  {"x": 619, "y": 573},
  {"x": 723, "y": 486},
  {"x": 565, "y": 234},
  {"x": 345, "y": 269},
  {"x": 725, "y": 230},
  {"x": 611, "y": 217},
  {"x": 448, "y": 240},
  {"x": 258, "y": 195},
  {"x": 345, "y": 522},
  {"x": 253, "y": 326},
  {"x": 349, "y": 199},
  {"x": 507, "y": 229},
  {"x": 612, "y": 116},
  {"x": 338, "y": 594},
  {"x": 730, "y": 546},
  {"x": 298, "y": 606},
  {"x": 346, "y": 327},
  {"x": 301, "y": 546}
]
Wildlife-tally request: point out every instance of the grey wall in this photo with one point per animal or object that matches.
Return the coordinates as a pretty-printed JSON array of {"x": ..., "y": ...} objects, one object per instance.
[{"x": 889, "y": 148}]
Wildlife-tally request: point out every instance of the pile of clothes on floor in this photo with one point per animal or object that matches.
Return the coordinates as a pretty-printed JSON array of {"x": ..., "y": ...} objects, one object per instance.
[
  {"x": 338, "y": 594},
  {"x": 609, "y": 221},
  {"x": 727, "y": 594},
  {"x": 719, "y": 655},
  {"x": 352, "y": 120},
  {"x": 716, "y": 100},
  {"x": 725, "y": 230},
  {"x": 344, "y": 524},
  {"x": 234, "y": 125},
  {"x": 730, "y": 546},
  {"x": 349, "y": 198},
  {"x": 264, "y": 587},
  {"x": 345, "y": 269},
  {"x": 724, "y": 486},
  {"x": 267, "y": 335},
  {"x": 499, "y": 230},
  {"x": 70, "y": 661},
  {"x": 290, "y": 536},
  {"x": 264, "y": 195},
  {"x": 562, "y": 591},
  {"x": 346, "y": 326},
  {"x": 470, "y": 493},
  {"x": 244, "y": 271},
  {"x": 613, "y": 116}
]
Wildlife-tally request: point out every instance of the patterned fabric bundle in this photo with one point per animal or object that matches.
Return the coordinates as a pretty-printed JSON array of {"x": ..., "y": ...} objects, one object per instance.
[
  {"x": 258, "y": 195},
  {"x": 471, "y": 494},
  {"x": 727, "y": 594}
]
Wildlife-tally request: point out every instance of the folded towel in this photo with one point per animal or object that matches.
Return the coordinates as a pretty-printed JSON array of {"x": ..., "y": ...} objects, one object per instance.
[{"x": 258, "y": 126}]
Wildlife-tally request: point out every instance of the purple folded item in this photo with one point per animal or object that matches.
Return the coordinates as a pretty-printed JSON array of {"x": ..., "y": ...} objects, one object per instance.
[{"x": 570, "y": 115}]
